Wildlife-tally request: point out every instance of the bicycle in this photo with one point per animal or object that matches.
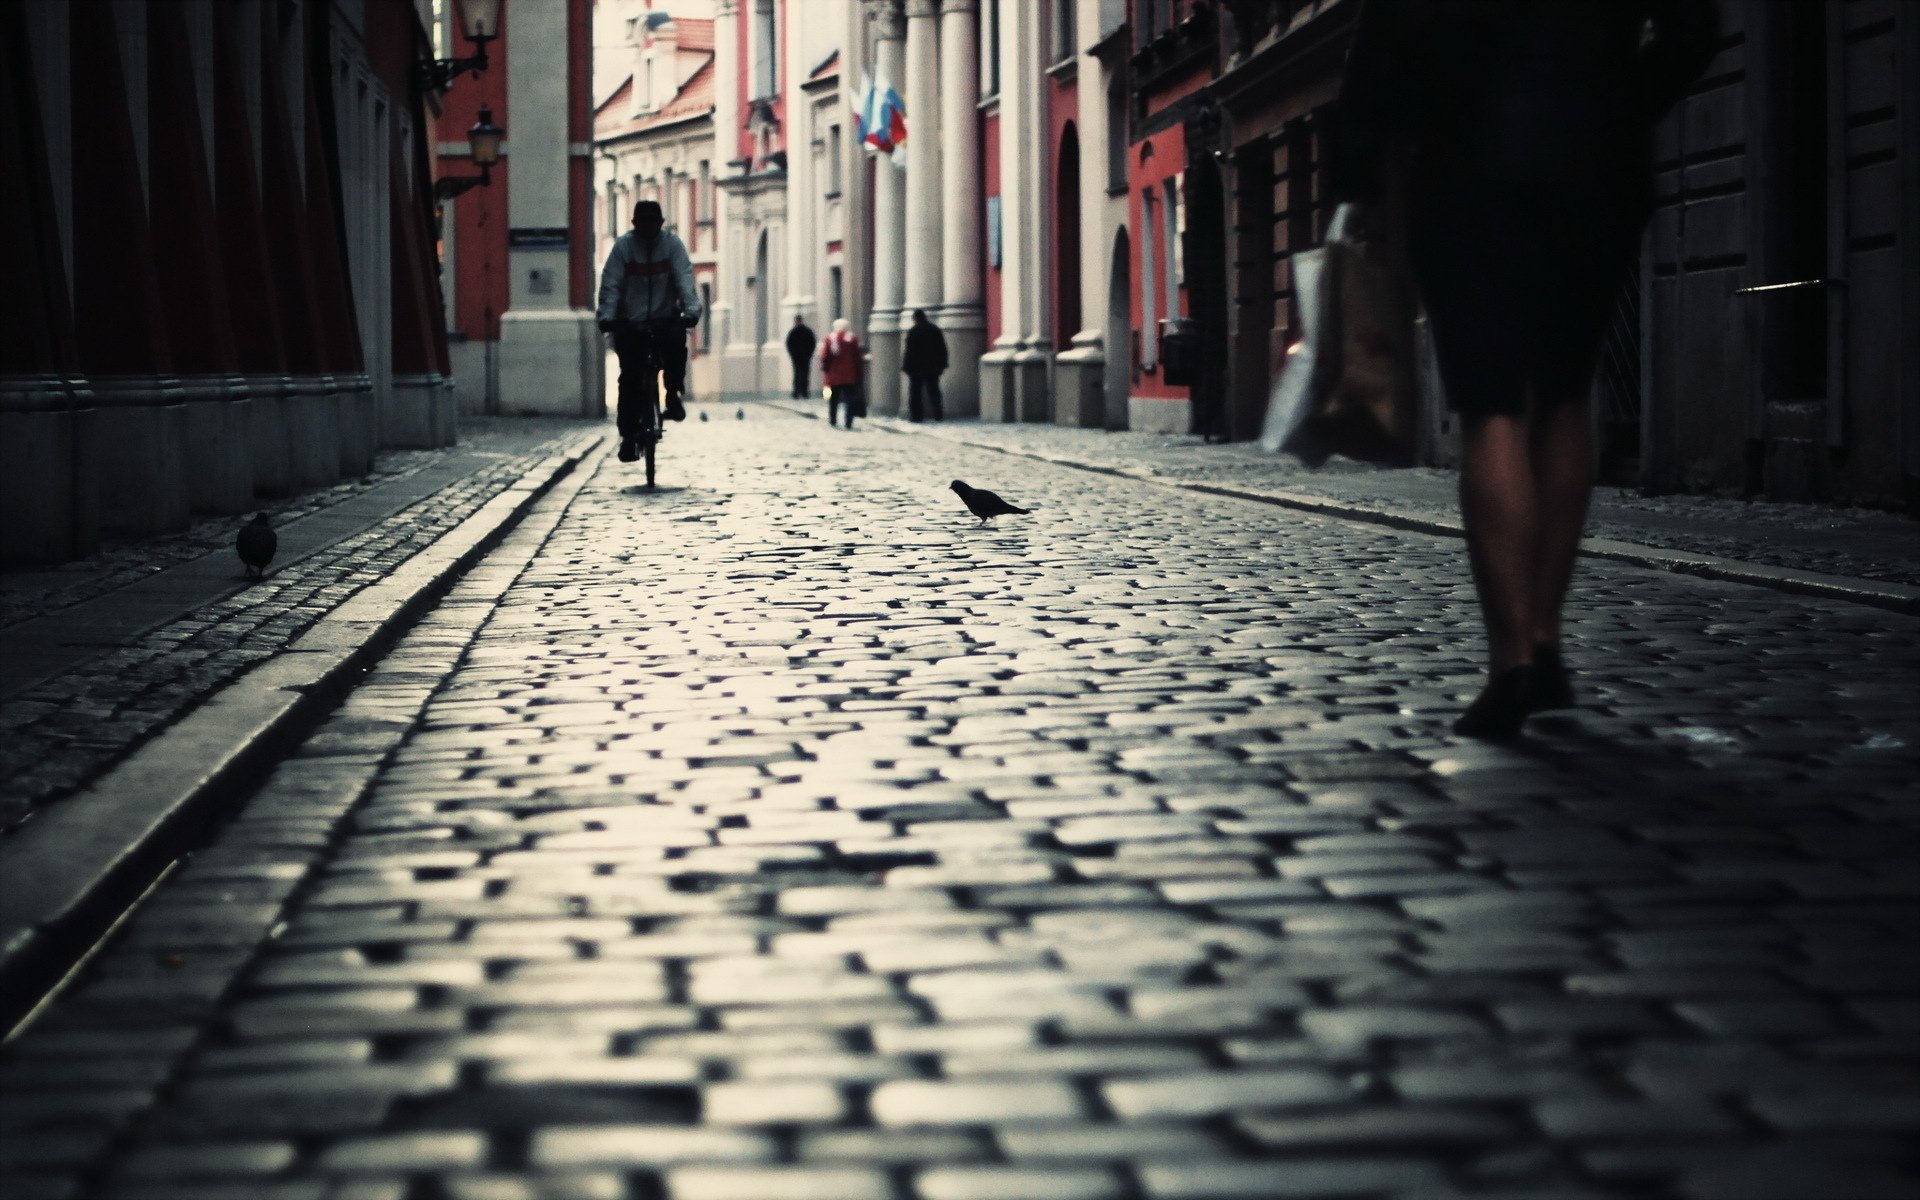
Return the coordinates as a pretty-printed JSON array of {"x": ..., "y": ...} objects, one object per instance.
[{"x": 647, "y": 361}]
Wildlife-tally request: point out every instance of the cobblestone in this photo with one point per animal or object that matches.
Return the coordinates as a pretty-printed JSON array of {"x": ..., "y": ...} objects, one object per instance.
[
  {"x": 58, "y": 734},
  {"x": 783, "y": 834}
]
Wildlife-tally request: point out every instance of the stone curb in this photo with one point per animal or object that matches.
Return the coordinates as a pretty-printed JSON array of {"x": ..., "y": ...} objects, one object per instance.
[
  {"x": 1894, "y": 597},
  {"x": 70, "y": 873}
]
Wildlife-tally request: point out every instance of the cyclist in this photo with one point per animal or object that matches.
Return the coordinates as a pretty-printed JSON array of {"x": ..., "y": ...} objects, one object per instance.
[{"x": 647, "y": 300}]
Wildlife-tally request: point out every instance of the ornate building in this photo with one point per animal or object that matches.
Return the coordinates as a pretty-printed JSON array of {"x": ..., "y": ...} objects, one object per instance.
[{"x": 654, "y": 140}]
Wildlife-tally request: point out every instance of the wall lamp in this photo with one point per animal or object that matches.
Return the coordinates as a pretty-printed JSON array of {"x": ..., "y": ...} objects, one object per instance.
[
  {"x": 480, "y": 21},
  {"x": 483, "y": 144}
]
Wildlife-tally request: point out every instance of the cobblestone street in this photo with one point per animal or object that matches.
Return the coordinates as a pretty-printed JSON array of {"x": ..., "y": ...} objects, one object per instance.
[{"x": 787, "y": 835}]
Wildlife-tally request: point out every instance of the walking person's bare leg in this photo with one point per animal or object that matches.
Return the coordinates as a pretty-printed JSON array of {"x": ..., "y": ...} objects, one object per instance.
[
  {"x": 1497, "y": 507},
  {"x": 1562, "y": 459}
]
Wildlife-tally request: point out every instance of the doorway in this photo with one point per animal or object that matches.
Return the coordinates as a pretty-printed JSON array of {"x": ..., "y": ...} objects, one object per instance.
[
  {"x": 1206, "y": 276},
  {"x": 1119, "y": 333},
  {"x": 1066, "y": 218}
]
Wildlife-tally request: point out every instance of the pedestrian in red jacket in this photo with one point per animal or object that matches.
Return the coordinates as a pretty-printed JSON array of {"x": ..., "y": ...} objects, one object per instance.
[{"x": 843, "y": 368}]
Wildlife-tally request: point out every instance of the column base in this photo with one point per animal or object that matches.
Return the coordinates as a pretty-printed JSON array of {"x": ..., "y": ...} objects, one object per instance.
[
  {"x": 547, "y": 364},
  {"x": 886, "y": 387},
  {"x": 313, "y": 426},
  {"x": 137, "y": 443},
  {"x": 469, "y": 361},
  {"x": 413, "y": 420},
  {"x": 996, "y": 387},
  {"x": 52, "y": 515},
  {"x": 219, "y": 444},
  {"x": 1032, "y": 370},
  {"x": 272, "y": 456},
  {"x": 1079, "y": 387},
  {"x": 359, "y": 425},
  {"x": 966, "y": 333}
]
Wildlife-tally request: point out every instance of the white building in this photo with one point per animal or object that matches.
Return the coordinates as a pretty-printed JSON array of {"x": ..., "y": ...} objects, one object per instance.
[{"x": 653, "y": 134}]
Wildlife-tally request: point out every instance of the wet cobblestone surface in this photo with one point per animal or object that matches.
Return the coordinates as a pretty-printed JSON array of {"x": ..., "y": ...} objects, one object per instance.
[
  {"x": 1858, "y": 543},
  {"x": 788, "y": 834},
  {"x": 57, "y": 735}
]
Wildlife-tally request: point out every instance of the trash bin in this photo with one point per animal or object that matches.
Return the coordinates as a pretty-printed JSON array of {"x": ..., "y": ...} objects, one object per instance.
[{"x": 1179, "y": 351}]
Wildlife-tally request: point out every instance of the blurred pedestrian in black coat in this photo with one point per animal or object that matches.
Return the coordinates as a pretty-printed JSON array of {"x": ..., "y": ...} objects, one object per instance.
[
  {"x": 800, "y": 345},
  {"x": 924, "y": 360},
  {"x": 1524, "y": 130}
]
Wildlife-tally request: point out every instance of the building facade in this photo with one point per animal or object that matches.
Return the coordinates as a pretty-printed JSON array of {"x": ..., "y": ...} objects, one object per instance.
[
  {"x": 517, "y": 254},
  {"x": 653, "y": 139},
  {"x": 215, "y": 236}
]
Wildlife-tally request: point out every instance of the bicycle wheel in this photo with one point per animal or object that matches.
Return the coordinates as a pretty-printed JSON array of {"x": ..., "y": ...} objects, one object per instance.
[{"x": 653, "y": 412}]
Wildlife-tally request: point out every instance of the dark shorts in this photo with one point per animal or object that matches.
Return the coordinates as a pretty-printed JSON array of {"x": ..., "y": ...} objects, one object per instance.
[{"x": 1519, "y": 294}]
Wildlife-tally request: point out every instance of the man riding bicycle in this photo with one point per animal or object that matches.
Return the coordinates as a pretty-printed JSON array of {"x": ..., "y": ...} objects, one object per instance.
[{"x": 647, "y": 302}]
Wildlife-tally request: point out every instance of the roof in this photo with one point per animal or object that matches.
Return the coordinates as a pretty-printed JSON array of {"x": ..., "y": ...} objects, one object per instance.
[
  {"x": 614, "y": 118},
  {"x": 695, "y": 33}
]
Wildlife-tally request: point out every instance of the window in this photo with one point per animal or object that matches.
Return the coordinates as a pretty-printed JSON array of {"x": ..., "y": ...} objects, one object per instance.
[
  {"x": 1117, "y": 135},
  {"x": 703, "y": 195},
  {"x": 990, "y": 44},
  {"x": 646, "y": 95},
  {"x": 1064, "y": 43},
  {"x": 705, "y": 338},
  {"x": 993, "y": 232},
  {"x": 1174, "y": 219},
  {"x": 766, "y": 49},
  {"x": 835, "y": 294},
  {"x": 1149, "y": 276},
  {"x": 833, "y": 160}
]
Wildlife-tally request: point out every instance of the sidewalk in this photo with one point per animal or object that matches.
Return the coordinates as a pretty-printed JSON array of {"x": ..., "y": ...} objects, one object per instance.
[
  {"x": 99, "y": 654},
  {"x": 1856, "y": 554}
]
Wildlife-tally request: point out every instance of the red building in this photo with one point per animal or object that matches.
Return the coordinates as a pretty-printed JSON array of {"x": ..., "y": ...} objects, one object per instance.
[
  {"x": 517, "y": 253},
  {"x": 215, "y": 266}
]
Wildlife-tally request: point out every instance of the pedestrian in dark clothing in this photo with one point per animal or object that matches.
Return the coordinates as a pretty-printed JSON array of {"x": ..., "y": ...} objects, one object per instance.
[
  {"x": 843, "y": 365},
  {"x": 800, "y": 343},
  {"x": 924, "y": 360},
  {"x": 1525, "y": 132}
]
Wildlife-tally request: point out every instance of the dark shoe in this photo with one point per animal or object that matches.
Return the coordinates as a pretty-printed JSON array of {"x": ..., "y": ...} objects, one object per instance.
[
  {"x": 629, "y": 450},
  {"x": 676, "y": 411},
  {"x": 1548, "y": 686},
  {"x": 1500, "y": 708}
]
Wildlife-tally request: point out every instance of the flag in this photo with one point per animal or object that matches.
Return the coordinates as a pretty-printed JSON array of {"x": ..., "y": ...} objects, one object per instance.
[
  {"x": 862, "y": 105},
  {"x": 884, "y": 119}
]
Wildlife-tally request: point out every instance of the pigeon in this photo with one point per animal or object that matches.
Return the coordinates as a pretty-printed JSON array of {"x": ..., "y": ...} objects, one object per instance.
[
  {"x": 703, "y": 414},
  {"x": 256, "y": 545},
  {"x": 739, "y": 414},
  {"x": 984, "y": 504}
]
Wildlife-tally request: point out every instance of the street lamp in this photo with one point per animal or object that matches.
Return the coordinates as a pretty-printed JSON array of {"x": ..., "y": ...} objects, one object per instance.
[
  {"x": 483, "y": 145},
  {"x": 480, "y": 21}
]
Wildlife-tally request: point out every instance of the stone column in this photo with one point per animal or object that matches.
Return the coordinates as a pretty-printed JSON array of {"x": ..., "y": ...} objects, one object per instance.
[
  {"x": 924, "y": 191},
  {"x": 884, "y": 392},
  {"x": 804, "y": 245},
  {"x": 1014, "y": 374},
  {"x": 1079, "y": 371},
  {"x": 962, "y": 315},
  {"x": 727, "y": 264}
]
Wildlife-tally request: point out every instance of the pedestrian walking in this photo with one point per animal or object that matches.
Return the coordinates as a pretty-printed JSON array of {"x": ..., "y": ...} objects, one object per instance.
[
  {"x": 647, "y": 302},
  {"x": 924, "y": 360},
  {"x": 843, "y": 367},
  {"x": 1524, "y": 131},
  {"x": 800, "y": 343}
]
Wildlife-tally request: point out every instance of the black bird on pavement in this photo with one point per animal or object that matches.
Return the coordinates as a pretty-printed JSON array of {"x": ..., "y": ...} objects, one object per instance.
[
  {"x": 256, "y": 545},
  {"x": 984, "y": 504}
]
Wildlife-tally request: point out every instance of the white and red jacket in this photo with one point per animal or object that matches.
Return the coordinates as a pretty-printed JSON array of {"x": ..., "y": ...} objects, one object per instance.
[{"x": 648, "y": 281}]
